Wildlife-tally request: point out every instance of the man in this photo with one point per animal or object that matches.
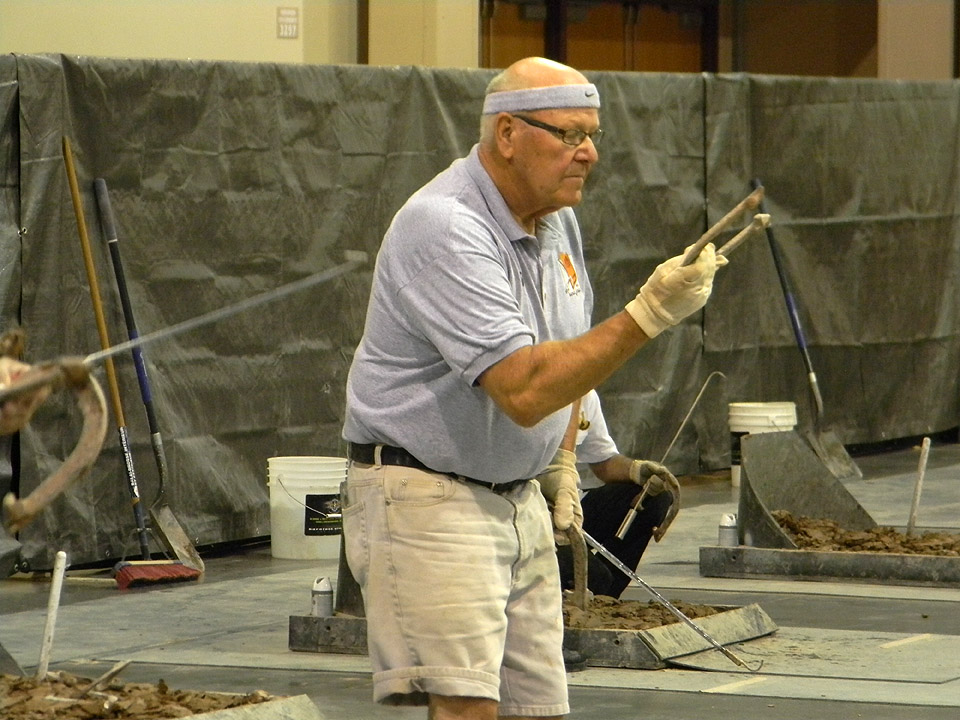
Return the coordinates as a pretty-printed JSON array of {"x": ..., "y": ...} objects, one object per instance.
[
  {"x": 617, "y": 482},
  {"x": 460, "y": 392}
]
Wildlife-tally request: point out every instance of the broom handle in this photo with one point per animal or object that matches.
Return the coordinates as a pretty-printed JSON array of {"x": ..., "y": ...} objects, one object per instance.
[
  {"x": 92, "y": 279},
  {"x": 113, "y": 243},
  {"x": 105, "y": 344}
]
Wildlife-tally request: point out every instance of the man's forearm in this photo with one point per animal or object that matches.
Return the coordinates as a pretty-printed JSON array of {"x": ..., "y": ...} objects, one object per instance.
[
  {"x": 613, "y": 469},
  {"x": 540, "y": 379}
]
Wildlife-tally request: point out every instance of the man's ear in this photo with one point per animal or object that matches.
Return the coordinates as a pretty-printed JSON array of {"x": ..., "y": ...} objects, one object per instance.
[{"x": 504, "y": 134}]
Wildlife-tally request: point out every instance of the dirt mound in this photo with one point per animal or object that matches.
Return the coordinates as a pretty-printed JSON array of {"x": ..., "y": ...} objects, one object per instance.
[
  {"x": 607, "y": 613},
  {"x": 59, "y": 696},
  {"x": 817, "y": 534}
]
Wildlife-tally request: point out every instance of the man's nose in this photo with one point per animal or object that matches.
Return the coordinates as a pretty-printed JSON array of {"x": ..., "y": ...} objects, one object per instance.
[{"x": 587, "y": 151}]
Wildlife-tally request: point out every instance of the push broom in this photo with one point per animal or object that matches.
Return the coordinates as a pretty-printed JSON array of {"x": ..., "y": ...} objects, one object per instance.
[{"x": 145, "y": 571}]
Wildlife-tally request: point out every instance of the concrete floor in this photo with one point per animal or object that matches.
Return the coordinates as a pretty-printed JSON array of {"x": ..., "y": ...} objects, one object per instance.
[{"x": 842, "y": 650}]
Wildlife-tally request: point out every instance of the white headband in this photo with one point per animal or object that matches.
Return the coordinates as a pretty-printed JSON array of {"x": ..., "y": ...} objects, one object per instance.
[{"x": 542, "y": 98}]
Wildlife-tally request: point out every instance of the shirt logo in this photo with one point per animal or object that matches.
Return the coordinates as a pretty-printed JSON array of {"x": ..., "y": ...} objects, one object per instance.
[{"x": 572, "y": 284}]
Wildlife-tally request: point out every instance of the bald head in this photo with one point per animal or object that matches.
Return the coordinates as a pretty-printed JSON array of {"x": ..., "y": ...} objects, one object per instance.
[
  {"x": 553, "y": 85},
  {"x": 535, "y": 72}
]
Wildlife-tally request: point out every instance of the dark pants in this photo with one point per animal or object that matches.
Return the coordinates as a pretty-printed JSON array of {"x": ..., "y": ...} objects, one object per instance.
[{"x": 603, "y": 511}]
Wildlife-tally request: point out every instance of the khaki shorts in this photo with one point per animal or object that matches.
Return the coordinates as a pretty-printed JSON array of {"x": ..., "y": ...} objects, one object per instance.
[{"x": 461, "y": 589}]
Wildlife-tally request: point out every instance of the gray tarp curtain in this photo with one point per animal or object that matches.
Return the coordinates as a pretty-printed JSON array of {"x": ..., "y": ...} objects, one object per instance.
[
  {"x": 231, "y": 179},
  {"x": 861, "y": 182}
]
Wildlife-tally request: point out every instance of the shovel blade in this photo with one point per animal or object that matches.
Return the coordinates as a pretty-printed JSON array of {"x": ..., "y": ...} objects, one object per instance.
[
  {"x": 833, "y": 454},
  {"x": 174, "y": 537}
]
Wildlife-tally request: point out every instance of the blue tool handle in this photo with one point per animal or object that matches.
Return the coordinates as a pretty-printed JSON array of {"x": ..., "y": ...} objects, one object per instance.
[
  {"x": 787, "y": 292},
  {"x": 792, "y": 311},
  {"x": 110, "y": 230}
]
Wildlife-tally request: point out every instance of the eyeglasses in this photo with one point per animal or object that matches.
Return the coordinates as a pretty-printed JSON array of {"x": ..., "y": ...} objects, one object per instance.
[{"x": 570, "y": 136}]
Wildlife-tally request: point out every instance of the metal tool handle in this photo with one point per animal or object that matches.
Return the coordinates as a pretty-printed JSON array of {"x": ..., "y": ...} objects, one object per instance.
[{"x": 628, "y": 520}]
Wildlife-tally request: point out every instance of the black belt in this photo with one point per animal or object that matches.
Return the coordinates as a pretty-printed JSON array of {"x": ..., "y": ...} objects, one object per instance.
[{"x": 390, "y": 455}]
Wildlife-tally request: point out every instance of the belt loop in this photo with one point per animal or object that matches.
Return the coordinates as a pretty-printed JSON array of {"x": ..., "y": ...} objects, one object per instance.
[{"x": 377, "y": 454}]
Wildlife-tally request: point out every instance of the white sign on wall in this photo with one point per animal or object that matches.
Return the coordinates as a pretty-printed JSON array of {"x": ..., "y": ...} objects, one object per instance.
[{"x": 288, "y": 23}]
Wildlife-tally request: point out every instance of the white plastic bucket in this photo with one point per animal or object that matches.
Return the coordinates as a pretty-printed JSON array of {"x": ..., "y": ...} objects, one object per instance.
[
  {"x": 756, "y": 417},
  {"x": 305, "y": 520}
]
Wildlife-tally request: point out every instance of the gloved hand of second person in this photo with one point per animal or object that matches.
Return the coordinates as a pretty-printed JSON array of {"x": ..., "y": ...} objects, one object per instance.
[
  {"x": 673, "y": 292},
  {"x": 559, "y": 483},
  {"x": 651, "y": 474}
]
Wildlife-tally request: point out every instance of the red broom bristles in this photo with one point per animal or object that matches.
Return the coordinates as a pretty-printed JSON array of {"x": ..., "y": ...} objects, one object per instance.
[{"x": 134, "y": 573}]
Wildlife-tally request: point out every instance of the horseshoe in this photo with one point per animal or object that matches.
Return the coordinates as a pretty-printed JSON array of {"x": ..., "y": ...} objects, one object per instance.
[{"x": 20, "y": 399}]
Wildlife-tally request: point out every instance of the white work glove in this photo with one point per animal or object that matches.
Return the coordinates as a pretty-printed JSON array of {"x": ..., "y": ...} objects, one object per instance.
[
  {"x": 673, "y": 292},
  {"x": 649, "y": 473},
  {"x": 559, "y": 483}
]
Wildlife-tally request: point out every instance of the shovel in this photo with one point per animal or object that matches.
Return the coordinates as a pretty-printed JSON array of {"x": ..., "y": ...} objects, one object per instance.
[
  {"x": 164, "y": 521},
  {"x": 825, "y": 443}
]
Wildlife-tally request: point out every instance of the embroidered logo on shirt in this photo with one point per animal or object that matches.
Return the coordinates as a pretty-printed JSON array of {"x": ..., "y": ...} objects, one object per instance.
[{"x": 572, "y": 284}]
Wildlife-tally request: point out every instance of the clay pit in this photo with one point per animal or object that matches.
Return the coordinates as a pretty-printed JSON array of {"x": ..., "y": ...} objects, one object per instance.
[
  {"x": 826, "y": 535},
  {"x": 607, "y": 613},
  {"x": 59, "y": 696}
]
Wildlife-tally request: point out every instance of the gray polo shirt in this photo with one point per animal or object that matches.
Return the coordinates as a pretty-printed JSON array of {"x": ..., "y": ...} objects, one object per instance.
[{"x": 458, "y": 286}]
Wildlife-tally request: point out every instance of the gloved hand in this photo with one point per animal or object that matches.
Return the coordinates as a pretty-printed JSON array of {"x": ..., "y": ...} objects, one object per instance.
[
  {"x": 655, "y": 479},
  {"x": 673, "y": 292},
  {"x": 650, "y": 473},
  {"x": 559, "y": 483}
]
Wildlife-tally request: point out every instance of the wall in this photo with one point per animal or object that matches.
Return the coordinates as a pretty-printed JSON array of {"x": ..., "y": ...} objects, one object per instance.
[
  {"x": 238, "y": 30},
  {"x": 915, "y": 39},
  {"x": 330, "y": 28},
  {"x": 429, "y": 33}
]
